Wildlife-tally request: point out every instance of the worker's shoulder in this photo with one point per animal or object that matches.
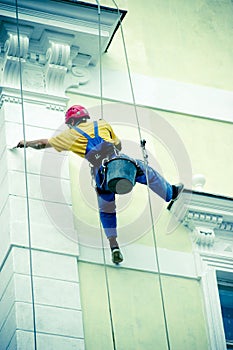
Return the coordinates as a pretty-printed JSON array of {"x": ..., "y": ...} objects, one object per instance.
[
  {"x": 88, "y": 126},
  {"x": 103, "y": 122}
]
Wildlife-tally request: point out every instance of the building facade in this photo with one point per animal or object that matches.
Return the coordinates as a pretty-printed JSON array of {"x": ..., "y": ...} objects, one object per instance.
[{"x": 160, "y": 73}]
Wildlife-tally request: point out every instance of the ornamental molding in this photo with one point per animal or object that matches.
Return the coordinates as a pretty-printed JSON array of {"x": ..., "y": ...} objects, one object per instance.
[
  {"x": 51, "y": 102},
  {"x": 53, "y": 44},
  {"x": 208, "y": 217},
  {"x": 10, "y": 99}
]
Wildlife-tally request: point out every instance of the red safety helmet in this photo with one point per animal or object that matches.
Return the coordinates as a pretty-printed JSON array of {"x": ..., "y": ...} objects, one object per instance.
[{"x": 77, "y": 112}]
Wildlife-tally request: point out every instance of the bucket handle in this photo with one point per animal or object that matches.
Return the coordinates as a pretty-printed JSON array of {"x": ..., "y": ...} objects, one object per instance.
[{"x": 106, "y": 160}]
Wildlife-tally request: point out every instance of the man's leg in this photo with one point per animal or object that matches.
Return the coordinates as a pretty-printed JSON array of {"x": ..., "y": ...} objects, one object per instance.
[
  {"x": 107, "y": 210},
  {"x": 158, "y": 184}
]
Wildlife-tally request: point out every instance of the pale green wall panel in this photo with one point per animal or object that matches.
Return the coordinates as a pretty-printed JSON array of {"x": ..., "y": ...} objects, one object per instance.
[
  {"x": 178, "y": 239},
  {"x": 209, "y": 145},
  {"x": 97, "y": 329},
  {"x": 185, "y": 316},
  {"x": 184, "y": 40},
  {"x": 137, "y": 312},
  {"x": 135, "y": 304}
]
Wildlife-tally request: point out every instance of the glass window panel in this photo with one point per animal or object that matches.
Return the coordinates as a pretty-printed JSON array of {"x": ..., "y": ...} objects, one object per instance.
[{"x": 226, "y": 299}]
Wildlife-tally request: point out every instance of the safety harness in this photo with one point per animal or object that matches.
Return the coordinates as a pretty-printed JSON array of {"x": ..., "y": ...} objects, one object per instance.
[
  {"x": 97, "y": 148},
  {"x": 115, "y": 177}
]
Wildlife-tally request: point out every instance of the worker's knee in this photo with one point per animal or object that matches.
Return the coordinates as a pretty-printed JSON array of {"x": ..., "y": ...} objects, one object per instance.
[{"x": 107, "y": 207}]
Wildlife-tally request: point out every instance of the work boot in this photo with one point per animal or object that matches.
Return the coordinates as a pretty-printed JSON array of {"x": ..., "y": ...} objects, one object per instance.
[
  {"x": 177, "y": 190},
  {"x": 117, "y": 257}
]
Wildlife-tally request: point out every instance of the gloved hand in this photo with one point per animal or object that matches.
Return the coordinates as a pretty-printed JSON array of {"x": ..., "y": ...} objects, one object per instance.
[{"x": 21, "y": 144}]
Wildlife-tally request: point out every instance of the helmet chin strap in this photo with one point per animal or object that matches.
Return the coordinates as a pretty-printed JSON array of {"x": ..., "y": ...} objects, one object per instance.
[
  {"x": 77, "y": 122},
  {"x": 82, "y": 120}
]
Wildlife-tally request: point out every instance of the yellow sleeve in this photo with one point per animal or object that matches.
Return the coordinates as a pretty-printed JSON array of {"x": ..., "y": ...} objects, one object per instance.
[{"x": 62, "y": 142}]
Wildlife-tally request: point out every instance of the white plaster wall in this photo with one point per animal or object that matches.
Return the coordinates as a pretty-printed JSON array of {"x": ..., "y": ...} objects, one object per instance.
[
  {"x": 57, "y": 301},
  {"x": 58, "y": 312}
]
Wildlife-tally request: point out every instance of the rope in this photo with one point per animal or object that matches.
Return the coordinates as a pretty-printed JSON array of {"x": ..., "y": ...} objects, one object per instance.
[
  {"x": 129, "y": 74},
  {"x": 145, "y": 157},
  {"x": 101, "y": 230},
  {"x": 26, "y": 188},
  {"x": 108, "y": 290},
  {"x": 100, "y": 60}
]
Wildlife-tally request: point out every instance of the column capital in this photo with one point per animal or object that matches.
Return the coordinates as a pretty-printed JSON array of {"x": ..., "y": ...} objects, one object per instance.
[{"x": 51, "y": 47}]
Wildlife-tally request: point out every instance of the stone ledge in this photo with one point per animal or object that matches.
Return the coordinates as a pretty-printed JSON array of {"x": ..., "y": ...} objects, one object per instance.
[{"x": 206, "y": 215}]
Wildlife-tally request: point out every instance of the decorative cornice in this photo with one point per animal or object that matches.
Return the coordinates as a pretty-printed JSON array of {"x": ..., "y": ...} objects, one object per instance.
[
  {"x": 209, "y": 217},
  {"x": 52, "y": 102},
  {"x": 11, "y": 99},
  {"x": 53, "y": 44}
]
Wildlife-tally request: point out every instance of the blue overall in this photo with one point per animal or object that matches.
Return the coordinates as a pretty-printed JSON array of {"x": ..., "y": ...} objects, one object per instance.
[{"x": 106, "y": 198}]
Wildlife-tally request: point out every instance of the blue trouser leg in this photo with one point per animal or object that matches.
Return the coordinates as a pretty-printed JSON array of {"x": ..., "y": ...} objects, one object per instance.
[
  {"x": 156, "y": 182},
  {"x": 106, "y": 199},
  {"x": 107, "y": 210}
]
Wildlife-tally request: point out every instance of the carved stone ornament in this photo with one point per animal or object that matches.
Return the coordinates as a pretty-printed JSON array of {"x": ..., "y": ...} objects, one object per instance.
[
  {"x": 208, "y": 217},
  {"x": 203, "y": 236},
  {"x": 47, "y": 52}
]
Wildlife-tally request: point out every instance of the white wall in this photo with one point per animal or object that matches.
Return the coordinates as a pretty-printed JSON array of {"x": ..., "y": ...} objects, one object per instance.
[{"x": 37, "y": 218}]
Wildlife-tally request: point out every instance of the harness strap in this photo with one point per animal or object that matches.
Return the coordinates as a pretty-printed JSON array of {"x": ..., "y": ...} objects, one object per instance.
[
  {"x": 83, "y": 133},
  {"x": 97, "y": 148},
  {"x": 96, "y": 129}
]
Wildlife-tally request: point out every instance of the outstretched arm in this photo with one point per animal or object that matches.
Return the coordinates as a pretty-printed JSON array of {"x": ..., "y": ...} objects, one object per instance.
[{"x": 36, "y": 144}]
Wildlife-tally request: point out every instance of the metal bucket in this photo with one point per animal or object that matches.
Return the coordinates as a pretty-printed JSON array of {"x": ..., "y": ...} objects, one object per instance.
[{"x": 121, "y": 174}]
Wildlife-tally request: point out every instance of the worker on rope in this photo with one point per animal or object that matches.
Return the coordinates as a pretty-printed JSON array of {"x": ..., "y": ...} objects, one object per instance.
[{"x": 97, "y": 142}]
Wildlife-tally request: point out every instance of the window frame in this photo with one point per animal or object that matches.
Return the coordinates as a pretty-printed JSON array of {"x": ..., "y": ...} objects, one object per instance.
[{"x": 211, "y": 266}]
